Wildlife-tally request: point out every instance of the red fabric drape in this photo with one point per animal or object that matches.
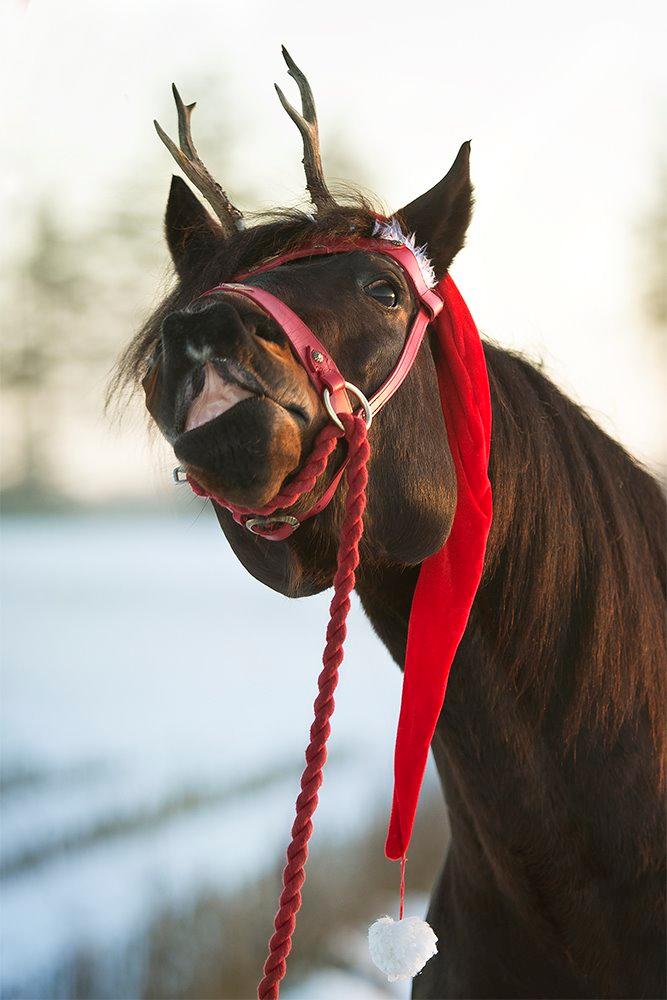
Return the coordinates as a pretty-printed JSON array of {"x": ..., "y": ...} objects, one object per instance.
[{"x": 448, "y": 580}]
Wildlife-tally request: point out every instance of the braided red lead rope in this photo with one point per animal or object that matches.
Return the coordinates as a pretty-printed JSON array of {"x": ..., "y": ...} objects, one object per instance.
[{"x": 316, "y": 754}]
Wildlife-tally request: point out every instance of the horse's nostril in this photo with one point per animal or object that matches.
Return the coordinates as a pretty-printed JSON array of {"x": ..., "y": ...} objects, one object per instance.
[
  {"x": 195, "y": 336},
  {"x": 267, "y": 329},
  {"x": 188, "y": 339}
]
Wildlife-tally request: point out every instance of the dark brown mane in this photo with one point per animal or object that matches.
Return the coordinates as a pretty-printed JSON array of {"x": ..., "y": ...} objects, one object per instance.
[
  {"x": 576, "y": 576},
  {"x": 275, "y": 232}
]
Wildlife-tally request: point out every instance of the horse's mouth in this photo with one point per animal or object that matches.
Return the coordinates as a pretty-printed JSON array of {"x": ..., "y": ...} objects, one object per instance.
[
  {"x": 237, "y": 437},
  {"x": 220, "y": 385},
  {"x": 217, "y": 395}
]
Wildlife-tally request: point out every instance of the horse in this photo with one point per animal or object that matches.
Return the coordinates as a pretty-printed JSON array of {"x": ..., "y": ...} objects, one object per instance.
[{"x": 550, "y": 747}]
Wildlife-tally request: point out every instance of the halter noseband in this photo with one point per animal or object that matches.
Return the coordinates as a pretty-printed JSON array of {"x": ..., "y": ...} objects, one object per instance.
[{"x": 321, "y": 368}]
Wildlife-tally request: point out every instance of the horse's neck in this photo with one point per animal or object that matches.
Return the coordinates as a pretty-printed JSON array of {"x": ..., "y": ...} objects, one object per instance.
[{"x": 541, "y": 699}]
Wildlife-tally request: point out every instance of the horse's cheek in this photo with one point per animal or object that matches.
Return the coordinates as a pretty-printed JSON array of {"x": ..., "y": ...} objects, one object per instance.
[{"x": 411, "y": 497}]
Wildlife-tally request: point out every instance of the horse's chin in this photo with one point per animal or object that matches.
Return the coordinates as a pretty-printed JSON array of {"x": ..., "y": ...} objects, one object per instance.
[{"x": 244, "y": 454}]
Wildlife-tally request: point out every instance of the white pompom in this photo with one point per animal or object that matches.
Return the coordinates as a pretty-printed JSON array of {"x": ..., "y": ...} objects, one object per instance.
[{"x": 401, "y": 948}]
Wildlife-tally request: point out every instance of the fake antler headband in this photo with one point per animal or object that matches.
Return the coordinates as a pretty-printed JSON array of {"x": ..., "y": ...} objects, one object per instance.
[
  {"x": 307, "y": 125},
  {"x": 187, "y": 157}
]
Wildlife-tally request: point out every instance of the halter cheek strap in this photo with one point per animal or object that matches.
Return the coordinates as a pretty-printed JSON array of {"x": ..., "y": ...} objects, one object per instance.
[
  {"x": 321, "y": 368},
  {"x": 310, "y": 351}
]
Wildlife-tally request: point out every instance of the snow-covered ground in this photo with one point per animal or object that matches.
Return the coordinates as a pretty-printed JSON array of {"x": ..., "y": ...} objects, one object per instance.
[{"x": 155, "y": 706}]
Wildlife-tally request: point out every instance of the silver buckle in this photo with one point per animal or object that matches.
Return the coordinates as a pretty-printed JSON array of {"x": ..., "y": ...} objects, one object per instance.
[
  {"x": 179, "y": 475},
  {"x": 266, "y": 522},
  {"x": 368, "y": 413}
]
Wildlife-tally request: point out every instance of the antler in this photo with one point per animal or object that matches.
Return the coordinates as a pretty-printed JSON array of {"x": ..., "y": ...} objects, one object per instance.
[
  {"x": 307, "y": 126},
  {"x": 188, "y": 160}
]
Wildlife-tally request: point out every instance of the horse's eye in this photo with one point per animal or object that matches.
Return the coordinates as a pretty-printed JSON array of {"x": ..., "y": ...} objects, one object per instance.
[{"x": 383, "y": 292}]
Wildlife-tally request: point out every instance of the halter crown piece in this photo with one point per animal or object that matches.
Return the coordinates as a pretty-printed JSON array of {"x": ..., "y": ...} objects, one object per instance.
[{"x": 448, "y": 580}]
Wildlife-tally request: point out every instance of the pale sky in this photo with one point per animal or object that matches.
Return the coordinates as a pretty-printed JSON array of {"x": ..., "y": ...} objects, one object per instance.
[{"x": 562, "y": 102}]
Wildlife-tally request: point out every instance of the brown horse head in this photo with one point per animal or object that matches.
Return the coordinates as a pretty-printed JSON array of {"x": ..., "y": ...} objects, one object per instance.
[{"x": 226, "y": 390}]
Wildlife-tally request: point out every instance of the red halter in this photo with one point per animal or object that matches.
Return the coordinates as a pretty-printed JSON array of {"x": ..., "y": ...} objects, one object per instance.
[{"x": 321, "y": 367}]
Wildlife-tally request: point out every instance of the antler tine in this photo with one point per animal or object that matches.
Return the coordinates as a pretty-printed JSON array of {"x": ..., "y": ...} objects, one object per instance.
[
  {"x": 184, "y": 112},
  {"x": 231, "y": 219},
  {"x": 307, "y": 126}
]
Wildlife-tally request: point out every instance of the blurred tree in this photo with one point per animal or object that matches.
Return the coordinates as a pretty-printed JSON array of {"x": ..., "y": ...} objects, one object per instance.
[
  {"x": 654, "y": 264},
  {"x": 64, "y": 301},
  {"x": 653, "y": 283},
  {"x": 43, "y": 292}
]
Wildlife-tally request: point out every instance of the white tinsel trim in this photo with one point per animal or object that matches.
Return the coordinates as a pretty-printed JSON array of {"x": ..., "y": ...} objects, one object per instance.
[{"x": 391, "y": 230}]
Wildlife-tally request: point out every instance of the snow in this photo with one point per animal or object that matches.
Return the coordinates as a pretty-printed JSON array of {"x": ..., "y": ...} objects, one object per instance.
[
  {"x": 335, "y": 983},
  {"x": 141, "y": 662}
]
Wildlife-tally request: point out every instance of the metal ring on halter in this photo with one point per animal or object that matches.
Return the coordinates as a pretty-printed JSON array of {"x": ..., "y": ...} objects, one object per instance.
[
  {"x": 264, "y": 522},
  {"x": 368, "y": 415}
]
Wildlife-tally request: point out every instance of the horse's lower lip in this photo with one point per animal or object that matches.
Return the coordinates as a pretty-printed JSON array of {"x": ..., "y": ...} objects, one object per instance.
[{"x": 244, "y": 453}]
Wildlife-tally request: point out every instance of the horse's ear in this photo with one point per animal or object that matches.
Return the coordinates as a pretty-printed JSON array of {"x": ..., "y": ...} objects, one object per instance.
[
  {"x": 440, "y": 217},
  {"x": 192, "y": 234}
]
